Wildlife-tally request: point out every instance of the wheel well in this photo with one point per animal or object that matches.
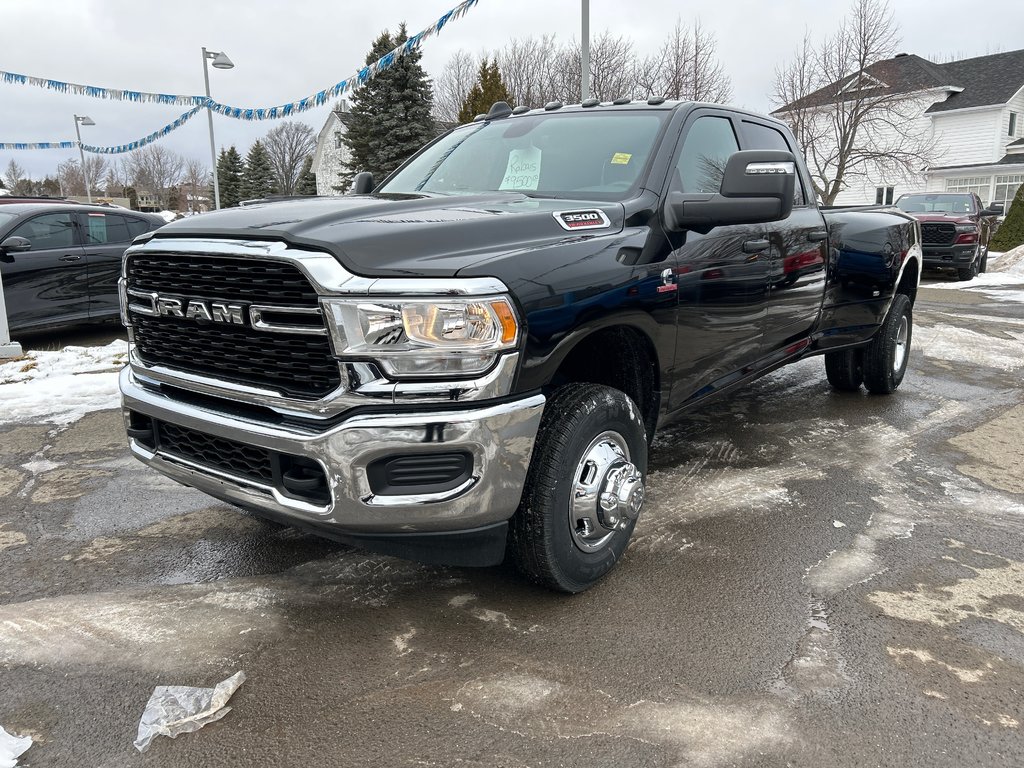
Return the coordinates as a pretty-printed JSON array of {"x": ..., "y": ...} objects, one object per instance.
[
  {"x": 908, "y": 282},
  {"x": 620, "y": 357}
]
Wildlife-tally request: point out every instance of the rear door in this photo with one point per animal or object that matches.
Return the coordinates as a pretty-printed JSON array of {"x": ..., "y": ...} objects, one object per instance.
[
  {"x": 48, "y": 284},
  {"x": 106, "y": 237},
  {"x": 722, "y": 275},
  {"x": 799, "y": 248}
]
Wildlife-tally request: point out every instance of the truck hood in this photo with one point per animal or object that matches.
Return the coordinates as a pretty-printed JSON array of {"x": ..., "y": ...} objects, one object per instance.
[
  {"x": 945, "y": 218},
  {"x": 382, "y": 235}
]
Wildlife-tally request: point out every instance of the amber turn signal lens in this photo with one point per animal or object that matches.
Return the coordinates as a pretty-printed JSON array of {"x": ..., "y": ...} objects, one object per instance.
[{"x": 507, "y": 320}]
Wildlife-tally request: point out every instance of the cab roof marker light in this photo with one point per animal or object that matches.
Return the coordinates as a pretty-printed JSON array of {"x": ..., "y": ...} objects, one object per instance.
[{"x": 551, "y": 105}]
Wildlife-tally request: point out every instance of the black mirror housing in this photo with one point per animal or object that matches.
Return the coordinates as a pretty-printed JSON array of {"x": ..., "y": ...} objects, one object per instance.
[
  {"x": 362, "y": 183},
  {"x": 994, "y": 209},
  {"x": 757, "y": 187},
  {"x": 15, "y": 244}
]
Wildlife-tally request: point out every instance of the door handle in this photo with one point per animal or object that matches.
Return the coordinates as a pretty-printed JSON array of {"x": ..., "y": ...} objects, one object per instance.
[
  {"x": 817, "y": 235},
  {"x": 755, "y": 246},
  {"x": 69, "y": 257}
]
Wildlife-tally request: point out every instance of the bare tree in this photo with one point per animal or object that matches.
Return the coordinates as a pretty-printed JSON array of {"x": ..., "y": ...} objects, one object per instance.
[
  {"x": 528, "y": 67},
  {"x": 13, "y": 176},
  {"x": 849, "y": 122},
  {"x": 196, "y": 183},
  {"x": 156, "y": 169},
  {"x": 452, "y": 87},
  {"x": 288, "y": 145},
  {"x": 686, "y": 67}
]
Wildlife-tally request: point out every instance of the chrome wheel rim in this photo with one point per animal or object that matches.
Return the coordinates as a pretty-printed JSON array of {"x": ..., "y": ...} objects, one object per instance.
[
  {"x": 607, "y": 492},
  {"x": 901, "y": 344}
]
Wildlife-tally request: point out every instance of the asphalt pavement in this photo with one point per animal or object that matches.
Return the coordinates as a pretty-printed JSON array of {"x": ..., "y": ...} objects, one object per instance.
[{"x": 817, "y": 579}]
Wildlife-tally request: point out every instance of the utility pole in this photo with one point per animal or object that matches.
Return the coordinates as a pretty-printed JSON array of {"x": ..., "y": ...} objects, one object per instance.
[{"x": 585, "y": 52}]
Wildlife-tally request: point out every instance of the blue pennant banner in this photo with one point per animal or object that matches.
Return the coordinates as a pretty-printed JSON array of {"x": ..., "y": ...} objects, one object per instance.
[{"x": 318, "y": 99}]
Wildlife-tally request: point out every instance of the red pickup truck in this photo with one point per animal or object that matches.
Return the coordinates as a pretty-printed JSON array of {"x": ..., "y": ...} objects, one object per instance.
[{"x": 955, "y": 229}]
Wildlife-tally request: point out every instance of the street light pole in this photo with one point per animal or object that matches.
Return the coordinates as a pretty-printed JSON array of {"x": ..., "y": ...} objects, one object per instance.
[
  {"x": 585, "y": 51},
  {"x": 83, "y": 120},
  {"x": 220, "y": 61}
]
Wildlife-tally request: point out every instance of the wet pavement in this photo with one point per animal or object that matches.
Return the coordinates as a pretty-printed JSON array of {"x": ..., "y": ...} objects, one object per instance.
[{"x": 817, "y": 579}]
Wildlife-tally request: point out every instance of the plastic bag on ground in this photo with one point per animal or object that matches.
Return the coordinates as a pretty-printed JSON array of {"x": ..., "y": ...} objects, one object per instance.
[
  {"x": 175, "y": 709},
  {"x": 12, "y": 747}
]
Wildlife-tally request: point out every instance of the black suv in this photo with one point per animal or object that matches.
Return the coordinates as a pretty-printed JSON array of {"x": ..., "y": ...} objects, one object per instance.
[{"x": 60, "y": 262}]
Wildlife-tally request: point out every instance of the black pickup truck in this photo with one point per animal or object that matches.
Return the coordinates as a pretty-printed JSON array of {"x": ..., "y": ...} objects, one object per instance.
[{"x": 473, "y": 356}]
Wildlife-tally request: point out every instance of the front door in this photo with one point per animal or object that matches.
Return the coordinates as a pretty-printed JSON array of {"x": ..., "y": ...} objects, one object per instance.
[
  {"x": 799, "y": 248},
  {"x": 46, "y": 285},
  {"x": 722, "y": 275}
]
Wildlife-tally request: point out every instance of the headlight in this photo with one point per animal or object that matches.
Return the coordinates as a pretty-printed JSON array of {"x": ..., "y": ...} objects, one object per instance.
[
  {"x": 966, "y": 228},
  {"x": 438, "y": 337}
]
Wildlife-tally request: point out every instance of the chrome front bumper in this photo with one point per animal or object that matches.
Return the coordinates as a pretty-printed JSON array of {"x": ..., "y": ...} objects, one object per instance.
[{"x": 500, "y": 439}]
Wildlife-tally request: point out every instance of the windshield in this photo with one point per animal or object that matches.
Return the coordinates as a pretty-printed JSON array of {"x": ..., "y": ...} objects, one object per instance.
[
  {"x": 936, "y": 203},
  {"x": 6, "y": 217},
  {"x": 570, "y": 155}
]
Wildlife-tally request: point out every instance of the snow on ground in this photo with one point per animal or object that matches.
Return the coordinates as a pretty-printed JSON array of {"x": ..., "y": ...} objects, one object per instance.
[
  {"x": 61, "y": 386},
  {"x": 1004, "y": 279}
]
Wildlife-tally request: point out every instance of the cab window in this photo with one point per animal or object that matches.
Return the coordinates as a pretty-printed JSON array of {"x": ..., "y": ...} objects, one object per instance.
[
  {"x": 104, "y": 228},
  {"x": 760, "y": 136},
  {"x": 51, "y": 230},
  {"x": 706, "y": 149}
]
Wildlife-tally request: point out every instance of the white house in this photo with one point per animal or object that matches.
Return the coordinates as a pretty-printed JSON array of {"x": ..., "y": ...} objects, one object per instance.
[
  {"x": 331, "y": 154},
  {"x": 972, "y": 110}
]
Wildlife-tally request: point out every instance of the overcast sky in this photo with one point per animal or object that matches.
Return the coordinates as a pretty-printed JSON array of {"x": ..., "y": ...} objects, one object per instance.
[{"x": 284, "y": 51}]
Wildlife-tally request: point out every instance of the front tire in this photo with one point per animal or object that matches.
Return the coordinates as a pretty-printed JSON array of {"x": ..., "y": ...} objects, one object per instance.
[
  {"x": 584, "y": 489},
  {"x": 845, "y": 369},
  {"x": 885, "y": 359},
  {"x": 970, "y": 272}
]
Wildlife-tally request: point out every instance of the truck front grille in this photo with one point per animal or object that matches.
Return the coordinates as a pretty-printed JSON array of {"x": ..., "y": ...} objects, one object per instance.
[
  {"x": 298, "y": 365},
  {"x": 251, "y": 281},
  {"x": 938, "y": 234}
]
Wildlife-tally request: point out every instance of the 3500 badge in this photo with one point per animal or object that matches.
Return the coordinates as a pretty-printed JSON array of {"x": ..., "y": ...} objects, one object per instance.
[{"x": 590, "y": 218}]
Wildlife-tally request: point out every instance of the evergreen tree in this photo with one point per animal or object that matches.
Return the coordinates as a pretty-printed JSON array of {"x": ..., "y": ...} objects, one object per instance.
[
  {"x": 489, "y": 88},
  {"x": 229, "y": 175},
  {"x": 258, "y": 175},
  {"x": 306, "y": 185},
  {"x": 391, "y": 116},
  {"x": 1011, "y": 232}
]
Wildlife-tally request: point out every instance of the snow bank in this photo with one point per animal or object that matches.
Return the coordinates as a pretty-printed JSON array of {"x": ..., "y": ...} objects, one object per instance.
[
  {"x": 1004, "y": 279},
  {"x": 62, "y": 386}
]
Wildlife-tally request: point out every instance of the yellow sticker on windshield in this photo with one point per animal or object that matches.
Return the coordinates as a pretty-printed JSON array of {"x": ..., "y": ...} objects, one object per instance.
[{"x": 621, "y": 158}]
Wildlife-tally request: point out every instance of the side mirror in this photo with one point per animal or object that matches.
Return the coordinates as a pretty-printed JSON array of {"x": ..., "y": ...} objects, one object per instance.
[
  {"x": 15, "y": 244},
  {"x": 362, "y": 184},
  {"x": 994, "y": 209},
  {"x": 757, "y": 187}
]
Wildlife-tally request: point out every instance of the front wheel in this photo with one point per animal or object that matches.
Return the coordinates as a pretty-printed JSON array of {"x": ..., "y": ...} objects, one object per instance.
[
  {"x": 584, "y": 489},
  {"x": 971, "y": 272},
  {"x": 885, "y": 359}
]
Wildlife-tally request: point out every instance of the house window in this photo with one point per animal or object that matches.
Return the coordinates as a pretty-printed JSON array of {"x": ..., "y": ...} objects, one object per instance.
[
  {"x": 1006, "y": 188},
  {"x": 978, "y": 185},
  {"x": 883, "y": 195},
  {"x": 1012, "y": 130},
  {"x": 338, "y": 143}
]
